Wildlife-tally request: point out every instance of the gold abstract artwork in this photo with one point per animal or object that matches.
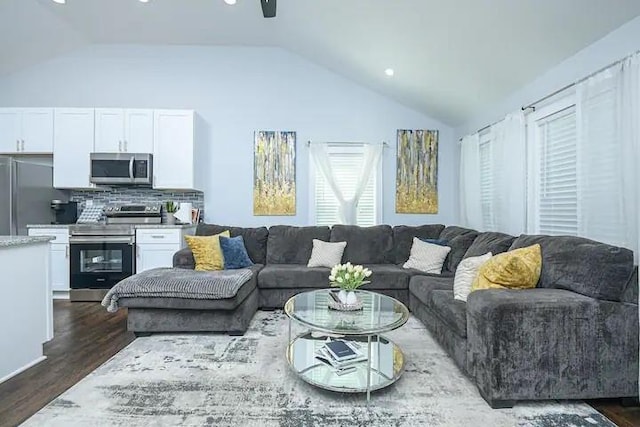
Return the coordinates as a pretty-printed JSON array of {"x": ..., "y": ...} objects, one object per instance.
[
  {"x": 274, "y": 173},
  {"x": 417, "y": 172}
]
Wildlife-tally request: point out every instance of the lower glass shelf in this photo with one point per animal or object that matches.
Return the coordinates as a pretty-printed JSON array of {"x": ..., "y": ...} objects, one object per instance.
[{"x": 387, "y": 364}]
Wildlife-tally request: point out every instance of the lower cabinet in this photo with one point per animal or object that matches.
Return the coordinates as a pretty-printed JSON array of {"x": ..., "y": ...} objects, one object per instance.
[
  {"x": 59, "y": 249},
  {"x": 156, "y": 246}
]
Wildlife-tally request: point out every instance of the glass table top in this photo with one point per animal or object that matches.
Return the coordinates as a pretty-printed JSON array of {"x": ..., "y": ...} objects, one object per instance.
[{"x": 381, "y": 313}]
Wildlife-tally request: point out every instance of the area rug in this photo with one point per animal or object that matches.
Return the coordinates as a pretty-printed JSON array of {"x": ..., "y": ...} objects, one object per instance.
[{"x": 217, "y": 380}]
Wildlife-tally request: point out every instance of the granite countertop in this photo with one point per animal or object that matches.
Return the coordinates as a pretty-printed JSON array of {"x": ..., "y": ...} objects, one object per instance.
[
  {"x": 165, "y": 226},
  {"x": 7, "y": 241}
]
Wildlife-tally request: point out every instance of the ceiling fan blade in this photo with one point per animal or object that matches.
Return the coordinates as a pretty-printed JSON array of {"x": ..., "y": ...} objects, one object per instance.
[{"x": 268, "y": 8}]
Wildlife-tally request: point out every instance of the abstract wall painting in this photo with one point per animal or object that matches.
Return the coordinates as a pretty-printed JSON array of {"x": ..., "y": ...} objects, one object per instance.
[
  {"x": 274, "y": 173},
  {"x": 417, "y": 172}
]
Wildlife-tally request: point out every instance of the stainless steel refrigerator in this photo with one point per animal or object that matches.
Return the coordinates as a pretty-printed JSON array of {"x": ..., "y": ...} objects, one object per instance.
[{"x": 26, "y": 191}]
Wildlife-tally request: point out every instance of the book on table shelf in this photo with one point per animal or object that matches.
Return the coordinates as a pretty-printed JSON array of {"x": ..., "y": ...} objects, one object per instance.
[{"x": 341, "y": 355}]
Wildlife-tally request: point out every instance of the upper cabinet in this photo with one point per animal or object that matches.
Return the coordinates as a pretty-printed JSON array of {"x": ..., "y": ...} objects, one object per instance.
[
  {"x": 73, "y": 136},
  {"x": 174, "y": 150},
  {"x": 26, "y": 130},
  {"x": 123, "y": 130}
]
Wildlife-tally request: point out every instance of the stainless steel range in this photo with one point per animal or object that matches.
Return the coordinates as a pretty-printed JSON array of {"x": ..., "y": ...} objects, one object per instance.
[{"x": 102, "y": 254}]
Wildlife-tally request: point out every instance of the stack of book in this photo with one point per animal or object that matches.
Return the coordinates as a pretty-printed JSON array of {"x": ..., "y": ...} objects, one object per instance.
[{"x": 341, "y": 355}]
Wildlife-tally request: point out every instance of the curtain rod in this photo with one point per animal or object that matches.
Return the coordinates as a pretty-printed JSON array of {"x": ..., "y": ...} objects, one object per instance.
[
  {"x": 570, "y": 85},
  {"x": 345, "y": 143},
  {"x": 562, "y": 89}
]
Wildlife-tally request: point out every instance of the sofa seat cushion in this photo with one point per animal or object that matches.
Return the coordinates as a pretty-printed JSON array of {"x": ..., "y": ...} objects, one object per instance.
[
  {"x": 421, "y": 286},
  {"x": 590, "y": 268},
  {"x": 293, "y": 276},
  {"x": 292, "y": 245},
  {"x": 451, "y": 311},
  {"x": 365, "y": 245}
]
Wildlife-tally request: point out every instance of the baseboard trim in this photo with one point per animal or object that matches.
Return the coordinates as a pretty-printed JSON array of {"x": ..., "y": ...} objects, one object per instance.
[
  {"x": 60, "y": 294},
  {"x": 22, "y": 369}
]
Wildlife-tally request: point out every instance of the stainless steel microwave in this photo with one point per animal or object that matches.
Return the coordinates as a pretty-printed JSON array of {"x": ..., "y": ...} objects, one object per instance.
[{"x": 121, "y": 169}]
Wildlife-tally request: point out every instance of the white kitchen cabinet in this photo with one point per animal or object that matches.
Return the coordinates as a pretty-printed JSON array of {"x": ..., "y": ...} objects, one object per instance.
[
  {"x": 174, "y": 150},
  {"x": 123, "y": 130},
  {"x": 59, "y": 265},
  {"x": 156, "y": 246},
  {"x": 72, "y": 144},
  {"x": 26, "y": 130}
]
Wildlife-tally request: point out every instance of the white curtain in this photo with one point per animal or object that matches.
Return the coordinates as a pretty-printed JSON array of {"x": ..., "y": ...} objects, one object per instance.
[
  {"x": 509, "y": 166},
  {"x": 470, "y": 202},
  {"x": 348, "y": 204},
  {"x": 608, "y": 116}
]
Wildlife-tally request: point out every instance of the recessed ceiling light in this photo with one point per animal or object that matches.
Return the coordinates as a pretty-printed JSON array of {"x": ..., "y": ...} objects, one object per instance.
[
  {"x": 144, "y": 1},
  {"x": 389, "y": 72},
  {"x": 230, "y": 2},
  {"x": 60, "y": 1}
]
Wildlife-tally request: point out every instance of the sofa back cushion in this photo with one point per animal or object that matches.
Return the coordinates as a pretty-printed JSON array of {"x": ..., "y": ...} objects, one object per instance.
[
  {"x": 365, "y": 245},
  {"x": 255, "y": 239},
  {"x": 292, "y": 245},
  {"x": 403, "y": 238},
  {"x": 581, "y": 265},
  {"x": 493, "y": 242},
  {"x": 459, "y": 239},
  {"x": 630, "y": 293}
]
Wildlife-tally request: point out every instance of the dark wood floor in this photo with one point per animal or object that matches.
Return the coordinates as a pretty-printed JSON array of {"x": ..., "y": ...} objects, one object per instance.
[{"x": 86, "y": 336}]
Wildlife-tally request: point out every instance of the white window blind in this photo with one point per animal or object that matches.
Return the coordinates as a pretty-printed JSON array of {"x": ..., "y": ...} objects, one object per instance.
[
  {"x": 346, "y": 164},
  {"x": 558, "y": 185},
  {"x": 486, "y": 184}
]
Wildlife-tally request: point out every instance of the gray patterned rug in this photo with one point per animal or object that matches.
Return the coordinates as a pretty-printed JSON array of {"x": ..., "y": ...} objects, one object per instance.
[{"x": 217, "y": 380}]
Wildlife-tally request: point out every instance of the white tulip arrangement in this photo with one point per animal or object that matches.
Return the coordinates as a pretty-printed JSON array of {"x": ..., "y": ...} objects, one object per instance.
[{"x": 349, "y": 277}]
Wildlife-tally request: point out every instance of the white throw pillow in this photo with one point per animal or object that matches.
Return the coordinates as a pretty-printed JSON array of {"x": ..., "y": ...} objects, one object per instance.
[
  {"x": 465, "y": 275},
  {"x": 427, "y": 257},
  {"x": 326, "y": 254}
]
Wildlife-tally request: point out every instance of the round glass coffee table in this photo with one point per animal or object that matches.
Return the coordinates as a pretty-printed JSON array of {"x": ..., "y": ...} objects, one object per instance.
[{"x": 384, "y": 362}]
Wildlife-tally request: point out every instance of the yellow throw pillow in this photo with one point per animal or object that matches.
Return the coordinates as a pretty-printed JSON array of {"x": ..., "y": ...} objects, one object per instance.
[
  {"x": 206, "y": 251},
  {"x": 516, "y": 269}
]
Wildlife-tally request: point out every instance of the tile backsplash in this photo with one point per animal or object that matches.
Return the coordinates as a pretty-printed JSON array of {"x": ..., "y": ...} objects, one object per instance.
[{"x": 133, "y": 195}]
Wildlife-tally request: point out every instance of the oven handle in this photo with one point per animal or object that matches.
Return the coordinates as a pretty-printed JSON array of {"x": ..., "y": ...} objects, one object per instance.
[
  {"x": 103, "y": 239},
  {"x": 131, "y": 160}
]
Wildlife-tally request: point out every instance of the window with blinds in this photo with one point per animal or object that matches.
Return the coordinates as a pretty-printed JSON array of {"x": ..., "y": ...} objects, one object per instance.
[
  {"x": 346, "y": 164},
  {"x": 557, "y": 191},
  {"x": 486, "y": 183}
]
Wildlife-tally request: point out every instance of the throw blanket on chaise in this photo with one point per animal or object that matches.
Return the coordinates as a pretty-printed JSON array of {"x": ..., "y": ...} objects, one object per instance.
[{"x": 177, "y": 283}]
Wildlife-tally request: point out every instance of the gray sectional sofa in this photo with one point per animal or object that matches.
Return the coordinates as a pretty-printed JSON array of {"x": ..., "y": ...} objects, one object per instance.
[{"x": 573, "y": 337}]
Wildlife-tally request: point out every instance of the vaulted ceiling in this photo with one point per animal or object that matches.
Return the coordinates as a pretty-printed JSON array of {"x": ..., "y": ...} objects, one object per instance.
[{"x": 451, "y": 58}]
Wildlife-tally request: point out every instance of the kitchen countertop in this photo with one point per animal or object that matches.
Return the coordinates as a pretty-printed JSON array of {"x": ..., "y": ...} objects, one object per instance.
[
  {"x": 165, "y": 226},
  {"x": 7, "y": 241}
]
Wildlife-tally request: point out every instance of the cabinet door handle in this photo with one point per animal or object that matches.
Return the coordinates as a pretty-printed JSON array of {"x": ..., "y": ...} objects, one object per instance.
[
  {"x": 125, "y": 146},
  {"x": 23, "y": 145},
  {"x": 119, "y": 145},
  {"x": 137, "y": 251},
  {"x": 66, "y": 252},
  {"x": 157, "y": 236},
  {"x": 17, "y": 145}
]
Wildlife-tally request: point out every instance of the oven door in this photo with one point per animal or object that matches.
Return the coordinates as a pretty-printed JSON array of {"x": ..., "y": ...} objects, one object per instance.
[{"x": 100, "y": 263}]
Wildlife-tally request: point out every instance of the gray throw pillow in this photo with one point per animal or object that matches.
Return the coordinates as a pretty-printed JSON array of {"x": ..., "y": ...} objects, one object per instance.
[{"x": 326, "y": 254}]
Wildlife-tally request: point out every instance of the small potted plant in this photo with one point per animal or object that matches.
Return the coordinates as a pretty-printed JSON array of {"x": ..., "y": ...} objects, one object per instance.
[
  {"x": 348, "y": 278},
  {"x": 169, "y": 209}
]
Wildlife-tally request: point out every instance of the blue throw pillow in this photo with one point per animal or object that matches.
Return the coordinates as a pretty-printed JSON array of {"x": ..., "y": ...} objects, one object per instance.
[
  {"x": 234, "y": 253},
  {"x": 439, "y": 242}
]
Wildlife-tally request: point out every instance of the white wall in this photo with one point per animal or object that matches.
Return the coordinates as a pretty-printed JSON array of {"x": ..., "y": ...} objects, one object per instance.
[
  {"x": 614, "y": 46},
  {"x": 237, "y": 90}
]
